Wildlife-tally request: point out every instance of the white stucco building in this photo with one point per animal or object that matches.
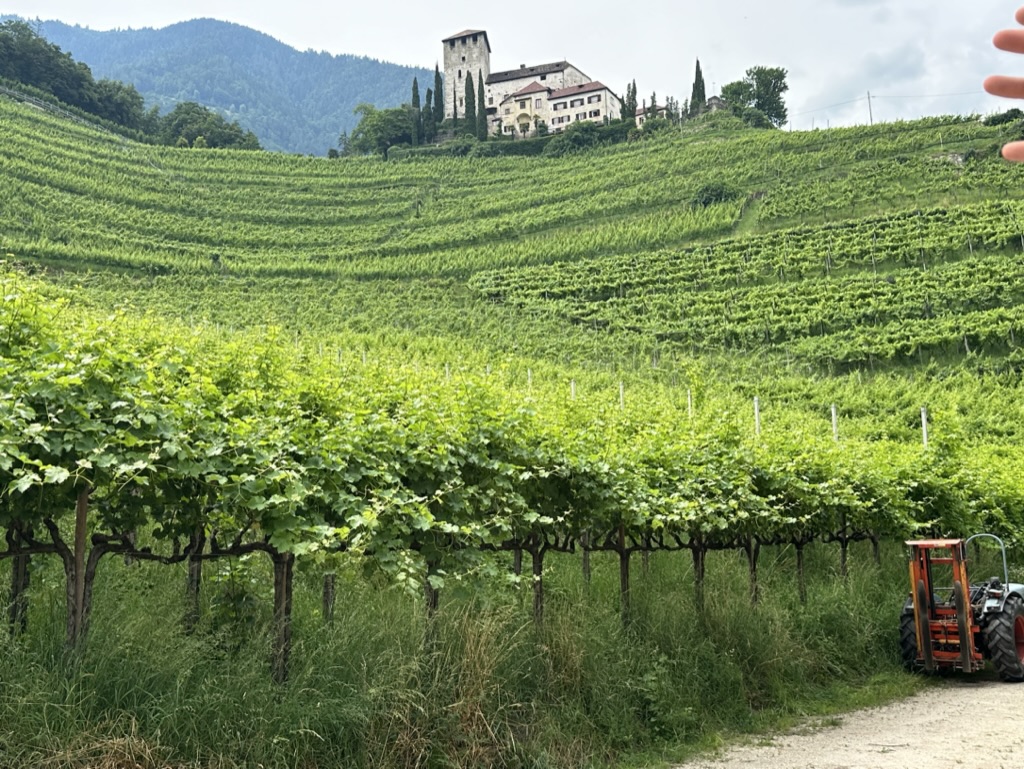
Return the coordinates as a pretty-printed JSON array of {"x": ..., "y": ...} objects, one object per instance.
[{"x": 519, "y": 100}]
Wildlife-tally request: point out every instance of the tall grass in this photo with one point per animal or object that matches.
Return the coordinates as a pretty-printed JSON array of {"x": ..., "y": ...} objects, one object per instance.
[{"x": 478, "y": 685}]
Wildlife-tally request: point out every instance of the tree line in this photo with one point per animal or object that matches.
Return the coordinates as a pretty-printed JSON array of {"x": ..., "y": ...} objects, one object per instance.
[{"x": 28, "y": 59}]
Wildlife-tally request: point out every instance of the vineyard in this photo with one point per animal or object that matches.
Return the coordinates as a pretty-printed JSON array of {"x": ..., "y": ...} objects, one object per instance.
[{"x": 415, "y": 389}]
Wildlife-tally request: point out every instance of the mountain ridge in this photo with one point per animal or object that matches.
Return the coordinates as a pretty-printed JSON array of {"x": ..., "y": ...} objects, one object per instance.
[{"x": 294, "y": 101}]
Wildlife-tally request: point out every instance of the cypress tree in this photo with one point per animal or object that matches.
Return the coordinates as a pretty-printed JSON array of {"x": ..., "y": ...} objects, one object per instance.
[
  {"x": 429, "y": 126},
  {"x": 481, "y": 109},
  {"x": 438, "y": 97},
  {"x": 417, "y": 121},
  {"x": 629, "y": 105},
  {"x": 698, "y": 98},
  {"x": 470, "y": 109}
]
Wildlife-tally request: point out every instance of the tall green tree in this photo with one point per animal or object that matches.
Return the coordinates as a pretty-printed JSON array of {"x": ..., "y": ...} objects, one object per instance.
[
  {"x": 380, "y": 129},
  {"x": 481, "y": 109},
  {"x": 470, "y": 109},
  {"x": 417, "y": 119},
  {"x": 698, "y": 96},
  {"x": 629, "y": 104},
  {"x": 759, "y": 92},
  {"x": 438, "y": 97},
  {"x": 429, "y": 124}
]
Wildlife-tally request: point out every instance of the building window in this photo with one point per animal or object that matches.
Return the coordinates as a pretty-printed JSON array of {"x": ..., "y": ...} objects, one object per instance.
[
  {"x": 543, "y": 77},
  {"x": 538, "y": 103},
  {"x": 595, "y": 113},
  {"x": 508, "y": 110},
  {"x": 522, "y": 104},
  {"x": 576, "y": 103},
  {"x": 463, "y": 58},
  {"x": 451, "y": 43},
  {"x": 460, "y": 74},
  {"x": 581, "y": 115},
  {"x": 592, "y": 99},
  {"x": 460, "y": 101},
  {"x": 560, "y": 105},
  {"x": 474, "y": 38}
]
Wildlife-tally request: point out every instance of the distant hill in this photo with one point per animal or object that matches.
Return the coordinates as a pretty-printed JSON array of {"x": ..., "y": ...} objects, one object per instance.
[{"x": 293, "y": 101}]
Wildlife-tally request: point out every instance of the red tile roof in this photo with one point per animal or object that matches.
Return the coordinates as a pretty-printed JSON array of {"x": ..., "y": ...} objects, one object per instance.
[
  {"x": 533, "y": 87},
  {"x": 563, "y": 93},
  {"x": 540, "y": 69}
]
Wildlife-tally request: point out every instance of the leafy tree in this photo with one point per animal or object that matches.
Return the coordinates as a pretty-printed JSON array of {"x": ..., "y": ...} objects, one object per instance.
[
  {"x": 654, "y": 103},
  {"x": 30, "y": 59},
  {"x": 189, "y": 120},
  {"x": 761, "y": 89},
  {"x": 417, "y": 120},
  {"x": 579, "y": 137},
  {"x": 672, "y": 113},
  {"x": 698, "y": 97},
  {"x": 470, "y": 108},
  {"x": 438, "y": 97},
  {"x": 481, "y": 109},
  {"x": 380, "y": 129}
]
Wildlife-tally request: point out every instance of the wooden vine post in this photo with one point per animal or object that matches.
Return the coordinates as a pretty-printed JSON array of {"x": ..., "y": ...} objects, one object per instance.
[
  {"x": 752, "y": 547},
  {"x": 537, "y": 553},
  {"x": 284, "y": 564},
  {"x": 194, "y": 579},
  {"x": 624, "y": 553},
  {"x": 699, "y": 552},
  {"x": 20, "y": 578},
  {"x": 328, "y": 598}
]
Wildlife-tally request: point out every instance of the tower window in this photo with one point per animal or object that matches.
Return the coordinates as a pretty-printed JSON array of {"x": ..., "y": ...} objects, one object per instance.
[
  {"x": 451, "y": 43},
  {"x": 474, "y": 38},
  {"x": 463, "y": 58},
  {"x": 460, "y": 74}
]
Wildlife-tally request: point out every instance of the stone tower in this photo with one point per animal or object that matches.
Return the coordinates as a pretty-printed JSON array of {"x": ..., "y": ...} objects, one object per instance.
[{"x": 465, "y": 54}]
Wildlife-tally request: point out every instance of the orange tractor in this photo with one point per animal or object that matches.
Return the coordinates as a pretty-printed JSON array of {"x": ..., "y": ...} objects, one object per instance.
[{"x": 950, "y": 624}]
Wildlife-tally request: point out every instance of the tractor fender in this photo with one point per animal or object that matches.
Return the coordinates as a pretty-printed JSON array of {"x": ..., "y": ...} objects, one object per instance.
[{"x": 996, "y": 603}]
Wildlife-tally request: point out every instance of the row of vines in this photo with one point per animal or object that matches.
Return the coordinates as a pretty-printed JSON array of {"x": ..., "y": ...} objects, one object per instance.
[{"x": 130, "y": 435}]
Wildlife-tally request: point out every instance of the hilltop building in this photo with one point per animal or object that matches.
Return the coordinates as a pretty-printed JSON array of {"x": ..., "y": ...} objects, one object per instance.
[
  {"x": 645, "y": 113},
  {"x": 519, "y": 100}
]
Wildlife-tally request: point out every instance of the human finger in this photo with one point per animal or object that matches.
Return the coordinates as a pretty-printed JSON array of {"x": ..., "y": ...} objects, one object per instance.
[
  {"x": 1014, "y": 151},
  {"x": 1008, "y": 87},
  {"x": 1020, "y": 15},
  {"x": 1011, "y": 40}
]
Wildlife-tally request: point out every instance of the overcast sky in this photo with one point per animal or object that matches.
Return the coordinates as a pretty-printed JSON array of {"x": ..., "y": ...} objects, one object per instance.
[{"x": 916, "y": 57}]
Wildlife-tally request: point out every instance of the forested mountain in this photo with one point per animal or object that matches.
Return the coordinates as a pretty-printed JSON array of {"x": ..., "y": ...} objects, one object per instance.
[{"x": 293, "y": 101}]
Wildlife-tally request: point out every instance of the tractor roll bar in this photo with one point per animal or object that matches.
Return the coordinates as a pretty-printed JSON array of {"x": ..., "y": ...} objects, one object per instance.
[{"x": 1006, "y": 571}]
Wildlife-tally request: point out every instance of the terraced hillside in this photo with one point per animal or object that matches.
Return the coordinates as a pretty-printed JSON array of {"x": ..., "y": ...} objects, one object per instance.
[
  {"x": 842, "y": 247},
  {"x": 716, "y": 341}
]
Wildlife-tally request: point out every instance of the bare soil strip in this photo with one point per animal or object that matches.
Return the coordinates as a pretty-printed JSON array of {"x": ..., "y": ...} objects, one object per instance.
[{"x": 962, "y": 724}]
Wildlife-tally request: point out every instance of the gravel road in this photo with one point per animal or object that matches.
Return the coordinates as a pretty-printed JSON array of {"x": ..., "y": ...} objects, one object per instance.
[{"x": 961, "y": 724}]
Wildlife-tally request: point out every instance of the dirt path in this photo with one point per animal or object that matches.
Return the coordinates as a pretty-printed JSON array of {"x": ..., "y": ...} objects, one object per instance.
[{"x": 962, "y": 724}]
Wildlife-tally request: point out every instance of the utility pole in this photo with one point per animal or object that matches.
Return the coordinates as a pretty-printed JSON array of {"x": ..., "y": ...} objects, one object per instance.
[{"x": 871, "y": 115}]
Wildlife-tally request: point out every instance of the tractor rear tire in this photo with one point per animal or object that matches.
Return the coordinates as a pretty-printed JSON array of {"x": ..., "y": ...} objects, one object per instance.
[
  {"x": 1004, "y": 637},
  {"x": 908, "y": 641}
]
